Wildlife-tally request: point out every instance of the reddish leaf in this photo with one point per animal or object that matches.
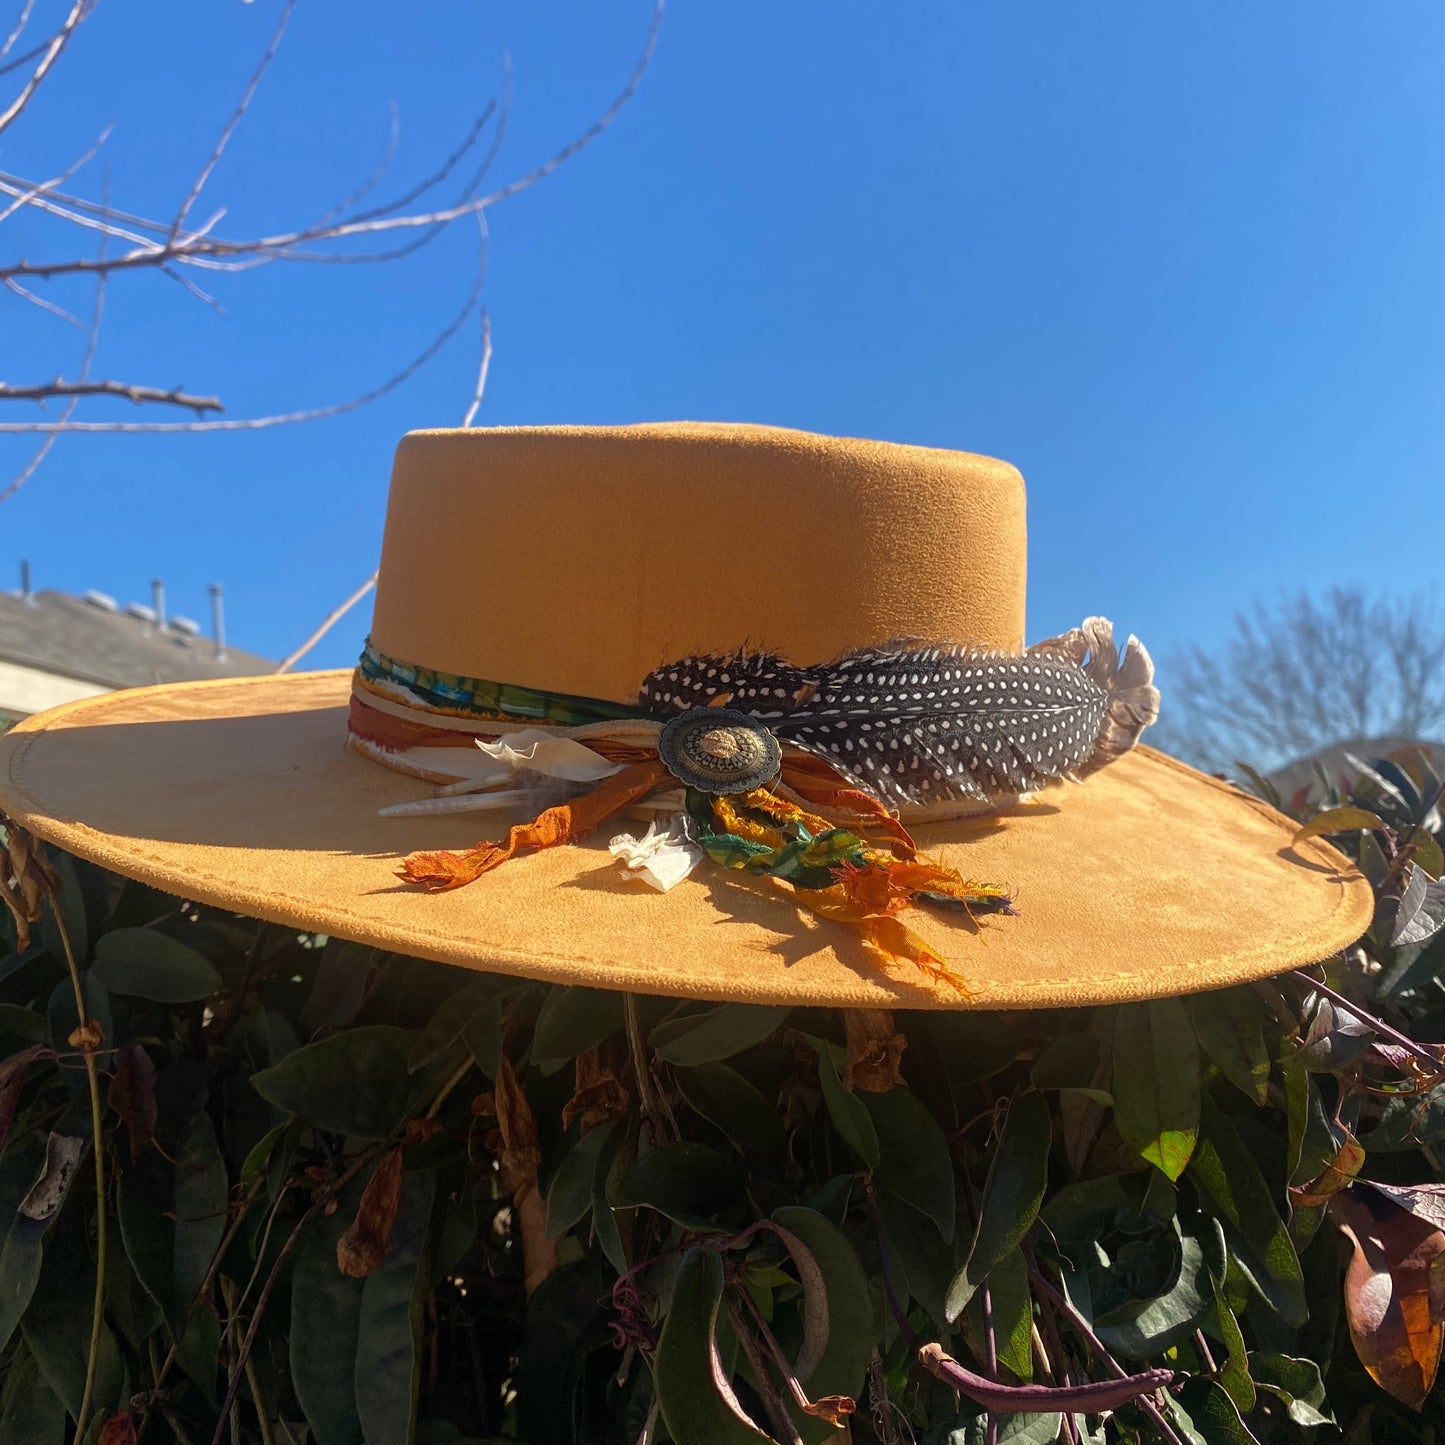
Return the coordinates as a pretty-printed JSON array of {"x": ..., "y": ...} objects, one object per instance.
[
  {"x": 362, "y": 1248},
  {"x": 1395, "y": 1323},
  {"x": 12, "y": 1080},
  {"x": 132, "y": 1095},
  {"x": 118, "y": 1430}
]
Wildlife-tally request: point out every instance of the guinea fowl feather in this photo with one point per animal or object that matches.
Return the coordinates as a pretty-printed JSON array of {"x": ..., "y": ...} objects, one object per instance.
[{"x": 920, "y": 724}]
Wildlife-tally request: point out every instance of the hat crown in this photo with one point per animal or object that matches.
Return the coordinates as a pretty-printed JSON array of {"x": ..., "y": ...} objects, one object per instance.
[{"x": 577, "y": 559}]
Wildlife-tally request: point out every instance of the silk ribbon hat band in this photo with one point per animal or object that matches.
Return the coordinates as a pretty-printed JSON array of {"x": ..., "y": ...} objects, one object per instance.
[{"x": 728, "y": 712}]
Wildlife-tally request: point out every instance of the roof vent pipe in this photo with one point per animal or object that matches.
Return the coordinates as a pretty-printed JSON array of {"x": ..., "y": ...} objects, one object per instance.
[
  {"x": 158, "y": 602},
  {"x": 218, "y": 621},
  {"x": 25, "y": 593}
]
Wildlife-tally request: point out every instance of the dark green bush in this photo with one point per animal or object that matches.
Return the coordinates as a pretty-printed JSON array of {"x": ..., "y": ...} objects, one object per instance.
[{"x": 347, "y": 1195}]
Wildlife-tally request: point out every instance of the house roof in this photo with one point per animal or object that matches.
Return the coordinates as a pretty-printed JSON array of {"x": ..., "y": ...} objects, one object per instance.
[{"x": 74, "y": 638}]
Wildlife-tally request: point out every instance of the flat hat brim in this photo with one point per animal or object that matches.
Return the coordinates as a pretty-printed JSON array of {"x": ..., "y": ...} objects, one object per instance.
[{"x": 1149, "y": 879}]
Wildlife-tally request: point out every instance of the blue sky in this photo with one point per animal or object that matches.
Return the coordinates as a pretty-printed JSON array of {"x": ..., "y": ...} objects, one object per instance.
[{"x": 1182, "y": 265}]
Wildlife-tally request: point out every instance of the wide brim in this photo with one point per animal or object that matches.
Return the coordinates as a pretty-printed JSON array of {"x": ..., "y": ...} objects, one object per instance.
[{"x": 1149, "y": 879}]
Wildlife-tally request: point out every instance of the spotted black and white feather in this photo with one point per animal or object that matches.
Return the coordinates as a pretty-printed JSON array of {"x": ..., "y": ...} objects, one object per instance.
[{"x": 921, "y": 724}]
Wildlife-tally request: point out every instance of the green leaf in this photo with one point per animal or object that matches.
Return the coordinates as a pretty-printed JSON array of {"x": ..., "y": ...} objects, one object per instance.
[
  {"x": 260, "y": 1154},
  {"x": 572, "y": 1021},
  {"x": 31, "y": 1413},
  {"x": 201, "y": 1196},
  {"x": 708, "y": 1038},
  {"x": 849, "y": 1114},
  {"x": 571, "y": 1191},
  {"x": 1340, "y": 820},
  {"x": 689, "y": 1183},
  {"x": 606, "y": 1182},
  {"x": 57, "y": 1329},
  {"x": 687, "y": 1373},
  {"x": 1168, "y": 1318},
  {"x": 325, "y": 1327},
  {"x": 1230, "y": 1025},
  {"x": 1012, "y": 1430},
  {"x": 1012, "y": 1193},
  {"x": 1156, "y": 1082},
  {"x": 1207, "y": 1415},
  {"x": 146, "y": 964},
  {"x": 1230, "y": 1183},
  {"x": 1013, "y": 1313},
  {"x": 20, "y": 1254},
  {"x": 915, "y": 1165},
  {"x": 727, "y": 1100},
  {"x": 1071, "y": 1061},
  {"x": 1235, "y": 1376},
  {"x": 473, "y": 1006},
  {"x": 851, "y": 1324},
  {"x": 389, "y": 1325},
  {"x": 356, "y": 1082},
  {"x": 1298, "y": 1384},
  {"x": 23, "y": 1024}
]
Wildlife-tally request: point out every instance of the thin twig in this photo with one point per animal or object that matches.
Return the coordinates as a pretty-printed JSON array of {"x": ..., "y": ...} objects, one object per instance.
[
  {"x": 19, "y": 29},
  {"x": 55, "y": 48},
  {"x": 97, "y": 1148},
  {"x": 229, "y": 129},
  {"x": 332, "y": 618},
  {"x": 482, "y": 370},
  {"x": 43, "y": 450},
  {"x": 214, "y": 253},
  {"x": 258, "y": 423},
  {"x": 127, "y": 391}
]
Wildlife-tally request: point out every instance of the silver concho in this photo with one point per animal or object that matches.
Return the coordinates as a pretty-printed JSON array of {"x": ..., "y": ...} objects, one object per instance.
[{"x": 719, "y": 750}]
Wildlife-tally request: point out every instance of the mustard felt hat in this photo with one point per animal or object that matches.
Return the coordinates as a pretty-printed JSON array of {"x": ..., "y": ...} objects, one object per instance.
[{"x": 802, "y": 656}]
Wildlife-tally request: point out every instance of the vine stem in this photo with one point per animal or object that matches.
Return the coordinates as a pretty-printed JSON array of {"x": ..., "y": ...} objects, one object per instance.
[
  {"x": 1373, "y": 1021},
  {"x": 97, "y": 1148},
  {"x": 1057, "y": 1299}
]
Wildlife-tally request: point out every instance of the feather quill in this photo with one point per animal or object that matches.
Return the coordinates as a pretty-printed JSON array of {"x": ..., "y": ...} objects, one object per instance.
[{"x": 921, "y": 724}]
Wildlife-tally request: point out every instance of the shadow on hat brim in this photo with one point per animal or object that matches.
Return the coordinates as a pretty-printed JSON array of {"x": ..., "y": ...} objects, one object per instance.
[{"x": 1149, "y": 879}]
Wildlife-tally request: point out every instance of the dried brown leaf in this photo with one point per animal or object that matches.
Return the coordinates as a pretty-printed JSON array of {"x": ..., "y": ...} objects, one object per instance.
[
  {"x": 875, "y": 1050},
  {"x": 363, "y": 1247},
  {"x": 598, "y": 1093},
  {"x": 26, "y": 880},
  {"x": 518, "y": 1159},
  {"x": 1332, "y": 1178},
  {"x": 1393, "y": 1312}
]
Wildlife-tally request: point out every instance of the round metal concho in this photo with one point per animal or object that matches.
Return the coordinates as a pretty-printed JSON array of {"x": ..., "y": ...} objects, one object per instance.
[{"x": 719, "y": 750}]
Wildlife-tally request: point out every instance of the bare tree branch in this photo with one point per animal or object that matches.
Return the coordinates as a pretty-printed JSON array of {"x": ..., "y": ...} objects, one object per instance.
[
  {"x": 178, "y": 249},
  {"x": 482, "y": 370},
  {"x": 229, "y": 129},
  {"x": 43, "y": 450},
  {"x": 337, "y": 613},
  {"x": 140, "y": 395},
  {"x": 332, "y": 618},
  {"x": 1307, "y": 674},
  {"x": 21, "y": 21},
  {"x": 55, "y": 47}
]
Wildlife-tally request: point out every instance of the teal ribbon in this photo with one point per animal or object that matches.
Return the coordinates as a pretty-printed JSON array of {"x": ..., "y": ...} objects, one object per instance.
[{"x": 475, "y": 697}]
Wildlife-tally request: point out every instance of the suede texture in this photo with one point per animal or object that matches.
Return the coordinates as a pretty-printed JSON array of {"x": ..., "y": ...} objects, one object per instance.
[
  {"x": 1149, "y": 879},
  {"x": 578, "y": 559}
]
